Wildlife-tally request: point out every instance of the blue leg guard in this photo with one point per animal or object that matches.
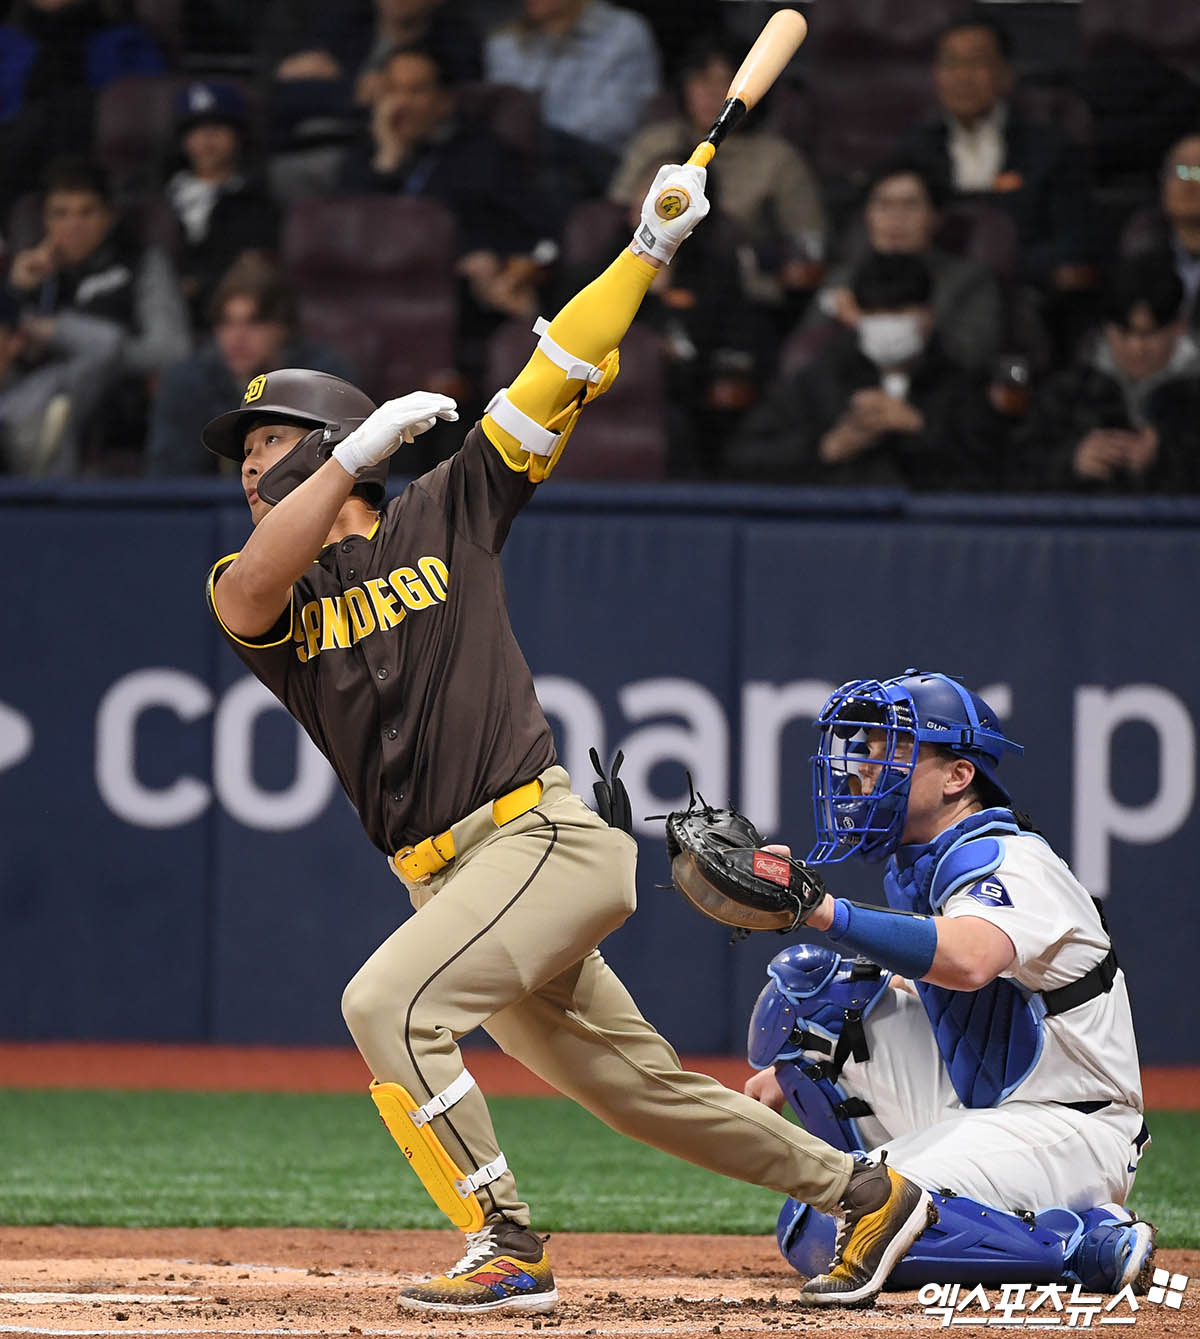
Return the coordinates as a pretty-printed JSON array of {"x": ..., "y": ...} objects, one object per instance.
[
  {"x": 1110, "y": 1250},
  {"x": 813, "y": 1007},
  {"x": 1104, "y": 1249}
]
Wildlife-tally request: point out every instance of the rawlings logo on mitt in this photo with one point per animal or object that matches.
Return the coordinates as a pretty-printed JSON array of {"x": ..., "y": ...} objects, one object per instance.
[{"x": 718, "y": 864}]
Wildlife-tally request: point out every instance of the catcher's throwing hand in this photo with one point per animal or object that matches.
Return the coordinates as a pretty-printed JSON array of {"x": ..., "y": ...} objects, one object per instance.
[
  {"x": 393, "y": 423},
  {"x": 721, "y": 865},
  {"x": 764, "y": 1087}
]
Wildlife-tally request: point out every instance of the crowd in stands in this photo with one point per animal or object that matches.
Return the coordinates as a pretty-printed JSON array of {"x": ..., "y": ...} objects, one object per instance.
[{"x": 978, "y": 280}]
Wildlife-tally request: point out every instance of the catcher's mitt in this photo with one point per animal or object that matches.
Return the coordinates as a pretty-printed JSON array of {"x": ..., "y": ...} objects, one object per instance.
[{"x": 718, "y": 864}]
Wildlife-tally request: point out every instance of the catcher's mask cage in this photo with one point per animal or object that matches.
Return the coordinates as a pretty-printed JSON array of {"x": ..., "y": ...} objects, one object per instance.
[
  {"x": 905, "y": 712},
  {"x": 331, "y": 407}
]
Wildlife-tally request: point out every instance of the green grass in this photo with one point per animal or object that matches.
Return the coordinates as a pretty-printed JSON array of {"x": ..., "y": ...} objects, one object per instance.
[{"x": 192, "y": 1159}]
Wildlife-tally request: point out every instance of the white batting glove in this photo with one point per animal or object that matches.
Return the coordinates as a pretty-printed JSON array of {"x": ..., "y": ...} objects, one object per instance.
[
  {"x": 393, "y": 423},
  {"x": 673, "y": 206}
]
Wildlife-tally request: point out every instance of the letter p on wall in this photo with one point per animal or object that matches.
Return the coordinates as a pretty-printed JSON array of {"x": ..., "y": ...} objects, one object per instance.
[{"x": 1100, "y": 817}]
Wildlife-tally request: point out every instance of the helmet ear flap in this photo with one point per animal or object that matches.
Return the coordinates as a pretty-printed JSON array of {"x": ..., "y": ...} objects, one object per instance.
[{"x": 288, "y": 473}]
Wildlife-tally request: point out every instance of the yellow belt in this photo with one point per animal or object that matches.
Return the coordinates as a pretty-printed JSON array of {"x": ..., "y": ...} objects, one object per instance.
[{"x": 418, "y": 862}]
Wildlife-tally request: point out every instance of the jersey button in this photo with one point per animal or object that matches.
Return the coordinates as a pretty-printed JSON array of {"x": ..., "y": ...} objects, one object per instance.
[
  {"x": 351, "y": 573},
  {"x": 392, "y": 732},
  {"x": 347, "y": 547},
  {"x": 397, "y": 796},
  {"x": 381, "y": 673}
]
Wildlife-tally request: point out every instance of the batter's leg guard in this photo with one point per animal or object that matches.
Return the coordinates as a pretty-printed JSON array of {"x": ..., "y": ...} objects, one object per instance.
[{"x": 408, "y": 1124}]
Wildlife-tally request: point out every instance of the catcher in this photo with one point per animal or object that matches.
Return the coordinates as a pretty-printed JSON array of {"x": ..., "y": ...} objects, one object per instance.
[
  {"x": 382, "y": 627},
  {"x": 977, "y": 1032}
]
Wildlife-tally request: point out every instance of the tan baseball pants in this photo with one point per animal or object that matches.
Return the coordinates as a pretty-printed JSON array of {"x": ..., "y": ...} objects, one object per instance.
[{"x": 505, "y": 937}]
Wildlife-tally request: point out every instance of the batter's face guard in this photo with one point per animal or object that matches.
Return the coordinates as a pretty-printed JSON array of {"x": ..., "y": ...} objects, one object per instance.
[
  {"x": 333, "y": 408},
  {"x": 871, "y": 735}
]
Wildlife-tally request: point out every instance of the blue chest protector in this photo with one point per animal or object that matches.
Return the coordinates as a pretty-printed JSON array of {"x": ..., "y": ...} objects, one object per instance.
[{"x": 990, "y": 1039}]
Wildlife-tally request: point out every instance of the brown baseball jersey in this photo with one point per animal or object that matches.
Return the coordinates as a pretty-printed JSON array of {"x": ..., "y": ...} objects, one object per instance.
[{"x": 397, "y": 657}]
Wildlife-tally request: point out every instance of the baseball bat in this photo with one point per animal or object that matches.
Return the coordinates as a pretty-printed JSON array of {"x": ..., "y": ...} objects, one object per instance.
[{"x": 777, "y": 43}]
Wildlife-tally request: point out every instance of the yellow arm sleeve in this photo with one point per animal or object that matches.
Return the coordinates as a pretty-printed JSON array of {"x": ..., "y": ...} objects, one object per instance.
[{"x": 590, "y": 326}]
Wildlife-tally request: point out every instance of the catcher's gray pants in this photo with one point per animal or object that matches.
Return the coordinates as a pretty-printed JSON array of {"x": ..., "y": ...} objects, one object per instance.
[{"x": 505, "y": 937}]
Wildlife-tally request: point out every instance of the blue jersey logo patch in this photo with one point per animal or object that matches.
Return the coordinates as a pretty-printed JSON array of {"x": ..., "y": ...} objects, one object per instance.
[{"x": 991, "y": 892}]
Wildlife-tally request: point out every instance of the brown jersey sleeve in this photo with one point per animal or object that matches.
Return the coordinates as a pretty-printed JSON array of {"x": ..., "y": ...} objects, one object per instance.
[
  {"x": 269, "y": 656},
  {"x": 480, "y": 490}
]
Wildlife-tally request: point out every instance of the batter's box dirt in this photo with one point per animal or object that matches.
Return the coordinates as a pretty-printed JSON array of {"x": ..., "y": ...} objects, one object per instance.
[{"x": 244, "y": 1281}]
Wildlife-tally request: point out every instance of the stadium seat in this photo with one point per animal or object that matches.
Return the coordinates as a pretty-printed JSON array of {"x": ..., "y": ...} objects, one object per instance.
[
  {"x": 1170, "y": 28},
  {"x": 622, "y": 435},
  {"x": 374, "y": 276}
]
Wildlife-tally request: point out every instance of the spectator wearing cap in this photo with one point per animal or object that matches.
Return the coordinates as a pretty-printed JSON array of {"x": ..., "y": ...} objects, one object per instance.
[
  {"x": 901, "y": 215},
  {"x": 594, "y": 67},
  {"x": 765, "y": 184},
  {"x": 1123, "y": 418},
  {"x": 881, "y": 405},
  {"x": 328, "y": 67},
  {"x": 986, "y": 148},
  {"x": 52, "y": 372},
  {"x": 222, "y": 210},
  {"x": 254, "y": 330},
  {"x": 88, "y": 262},
  {"x": 54, "y": 56},
  {"x": 1174, "y": 226}
]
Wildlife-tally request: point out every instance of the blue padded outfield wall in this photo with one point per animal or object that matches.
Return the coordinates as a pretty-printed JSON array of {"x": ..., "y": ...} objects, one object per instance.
[{"x": 177, "y": 864}]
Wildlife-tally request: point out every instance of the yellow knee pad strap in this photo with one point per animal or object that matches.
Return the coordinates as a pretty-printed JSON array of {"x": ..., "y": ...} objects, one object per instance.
[{"x": 408, "y": 1124}]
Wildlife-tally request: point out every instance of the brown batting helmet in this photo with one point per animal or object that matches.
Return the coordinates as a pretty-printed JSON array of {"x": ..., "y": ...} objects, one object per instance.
[{"x": 331, "y": 406}]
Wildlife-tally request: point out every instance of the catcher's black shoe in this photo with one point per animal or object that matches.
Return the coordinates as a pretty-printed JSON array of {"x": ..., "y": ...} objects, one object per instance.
[
  {"x": 504, "y": 1268},
  {"x": 882, "y": 1215}
]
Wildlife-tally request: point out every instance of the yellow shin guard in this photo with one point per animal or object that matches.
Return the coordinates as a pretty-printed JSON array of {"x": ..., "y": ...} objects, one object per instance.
[{"x": 451, "y": 1191}]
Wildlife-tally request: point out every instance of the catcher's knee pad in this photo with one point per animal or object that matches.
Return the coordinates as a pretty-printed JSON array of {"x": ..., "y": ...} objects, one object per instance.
[
  {"x": 408, "y": 1124},
  {"x": 807, "y": 1022}
]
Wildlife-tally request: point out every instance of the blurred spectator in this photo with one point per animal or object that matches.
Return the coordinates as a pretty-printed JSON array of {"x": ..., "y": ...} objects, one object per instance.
[
  {"x": 52, "y": 372},
  {"x": 595, "y": 67},
  {"x": 983, "y": 145},
  {"x": 222, "y": 211},
  {"x": 712, "y": 339},
  {"x": 1123, "y": 419},
  {"x": 88, "y": 262},
  {"x": 332, "y": 69},
  {"x": 254, "y": 330},
  {"x": 54, "y": 55},
  {"x": 419, "y": 146},
  {"x": 882, "y": 406},
  {"x": 902, "y": 214},
  {"x": 764, "y": 183},
  {"x": 1140, "y": 106},
  {"x": 1175, "y": 225}
]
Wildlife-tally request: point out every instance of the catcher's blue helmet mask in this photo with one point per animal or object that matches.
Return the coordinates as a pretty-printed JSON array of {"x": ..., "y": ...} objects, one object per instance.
[{"x": 916, "y": 708}]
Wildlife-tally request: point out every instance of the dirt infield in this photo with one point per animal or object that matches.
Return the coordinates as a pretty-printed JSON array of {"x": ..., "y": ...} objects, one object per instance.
[
  {"x": 338, "y": 1069},
  {"x": 250, "y": 1281}
]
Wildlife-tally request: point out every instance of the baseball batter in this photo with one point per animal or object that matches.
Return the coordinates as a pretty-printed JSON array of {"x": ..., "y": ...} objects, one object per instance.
[
  {"x": 382, "y": 627},
  {"x": 1006, "y": 1078}
]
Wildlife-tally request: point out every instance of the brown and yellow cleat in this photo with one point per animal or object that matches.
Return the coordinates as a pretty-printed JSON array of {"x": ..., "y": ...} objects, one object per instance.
[
  {"x": 882, "y": 1215},
  {"x": 504, "y": 1268}
]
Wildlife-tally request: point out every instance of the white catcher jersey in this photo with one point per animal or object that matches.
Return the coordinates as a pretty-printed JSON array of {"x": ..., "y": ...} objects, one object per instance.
[{"x": 1089, "y": 1053}]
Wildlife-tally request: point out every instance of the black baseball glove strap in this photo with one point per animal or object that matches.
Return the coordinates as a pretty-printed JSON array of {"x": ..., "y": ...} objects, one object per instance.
[{"x": 719, "y": 865}]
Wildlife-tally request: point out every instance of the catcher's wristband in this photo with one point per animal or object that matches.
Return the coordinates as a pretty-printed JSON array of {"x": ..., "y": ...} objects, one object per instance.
[{"x": 898, "y": 940}]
